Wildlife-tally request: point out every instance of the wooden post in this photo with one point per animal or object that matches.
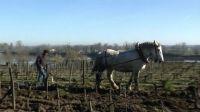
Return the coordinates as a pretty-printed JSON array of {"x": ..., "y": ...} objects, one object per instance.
[
  {"x": 85, "y": 95},
  {"x": 20, "y": 69},
  {"x": 71, "y": 71},
  {"x": 29, "y": 94},
  {"x": 96, "y": 88},
  {"x": 88, "y": 67},
  {"x": 90, "y": 105},
  {"x": 125, "y": 100},
  {"x": 56, "y": 69},
  {"x": 83, "y": 72},
  {"x": 0, "y": 88},
  {"x": 151, "y": 76},
  {"x": 27, "y": 71},
  {"x": 164, "y": 108},
  {"x": 17, "y": 71},
  {"x": 196, "y": 102},
  {"x": 59, "y": 69},
  {"x": 13, "y": 88},
  {"x": 58, "y": 96},
  {"x": 175, "y": 76},
  {"x": 162, "y": 72},
  {"x": 196, "y": 95},
  {"x": 198, "y": 88},
  {"x": 155, "y": 89},
  {"x": 145, "y": 78},
  {"x": 0, "y": 84},
  {"x": 110, "y": 95},
  {"x": 46, "y": 81},
  {"x": 18, "y": 88},
  {"x": 33, "y": 69},
  {"x": 111, "y": 106}
]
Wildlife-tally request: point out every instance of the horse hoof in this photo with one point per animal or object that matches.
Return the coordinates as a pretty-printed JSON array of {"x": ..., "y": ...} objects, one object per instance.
[
  {"x": 136, "y": 89},
  {"x": 116, "y": 87},
  {"x": 99, "y": 87},
  {"x": 130, "y": 88}
]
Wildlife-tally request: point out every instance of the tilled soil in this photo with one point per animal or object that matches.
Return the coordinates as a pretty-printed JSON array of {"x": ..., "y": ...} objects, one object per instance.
[{"x": 79, "y": 99}]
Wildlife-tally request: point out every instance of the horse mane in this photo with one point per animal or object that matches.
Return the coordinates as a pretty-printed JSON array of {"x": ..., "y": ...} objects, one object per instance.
[{"x": 147, "y": 44}]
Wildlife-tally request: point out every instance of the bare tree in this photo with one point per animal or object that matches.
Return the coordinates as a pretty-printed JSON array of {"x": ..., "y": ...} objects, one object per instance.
[{"x": 21, "y": 52}]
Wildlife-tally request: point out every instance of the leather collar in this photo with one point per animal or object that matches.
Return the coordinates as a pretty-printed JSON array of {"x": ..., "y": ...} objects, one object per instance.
[{"x": 141, "y": 54}]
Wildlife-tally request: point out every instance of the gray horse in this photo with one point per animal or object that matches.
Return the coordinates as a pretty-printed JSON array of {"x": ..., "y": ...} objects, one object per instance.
[{"x": 127, "y": 61}]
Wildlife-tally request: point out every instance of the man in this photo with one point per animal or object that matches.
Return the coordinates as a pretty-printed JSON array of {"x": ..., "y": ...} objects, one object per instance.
[{"x": 41, "y": 68}]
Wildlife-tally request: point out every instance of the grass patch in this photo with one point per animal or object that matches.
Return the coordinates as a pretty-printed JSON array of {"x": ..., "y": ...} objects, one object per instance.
[{"x": 168, "y": 85}]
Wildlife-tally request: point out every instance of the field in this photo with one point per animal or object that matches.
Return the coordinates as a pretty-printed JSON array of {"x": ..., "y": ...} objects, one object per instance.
[{"x": 166, "y": 87}]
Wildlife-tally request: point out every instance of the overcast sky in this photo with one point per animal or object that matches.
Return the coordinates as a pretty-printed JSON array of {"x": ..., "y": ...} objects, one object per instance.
[{"x": 108, "y": 21}]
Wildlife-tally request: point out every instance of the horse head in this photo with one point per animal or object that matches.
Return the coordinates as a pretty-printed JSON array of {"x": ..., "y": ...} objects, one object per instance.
[
  {"x": 150, "y": 51},
  {"x": 158, "y": 54}
]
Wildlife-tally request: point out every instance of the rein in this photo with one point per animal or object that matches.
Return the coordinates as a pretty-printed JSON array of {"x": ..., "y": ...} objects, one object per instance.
[
  {"x": 125, "y": 62},
  {"x": 141, "y": 54}
]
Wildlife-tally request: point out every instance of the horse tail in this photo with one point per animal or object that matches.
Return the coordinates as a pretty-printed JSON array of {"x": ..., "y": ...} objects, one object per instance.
[
  {"x": 94, "y": 68},
  {"x": 98, "y": 68}
]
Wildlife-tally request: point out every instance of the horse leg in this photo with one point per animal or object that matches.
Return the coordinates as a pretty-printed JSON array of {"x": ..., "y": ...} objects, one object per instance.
[
  {"x": 135, "y": 76},
  {"x": 98, "y": 79},
  {"x": 130, "y": 81},
  {"x": 110, "y": 78}
]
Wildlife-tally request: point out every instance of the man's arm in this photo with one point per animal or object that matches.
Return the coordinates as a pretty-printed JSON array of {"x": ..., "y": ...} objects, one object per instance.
[{"x": 39, "y": 62}]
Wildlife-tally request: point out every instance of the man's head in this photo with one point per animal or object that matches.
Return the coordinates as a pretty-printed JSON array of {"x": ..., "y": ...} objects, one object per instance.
[{"x": 45, "y": 52}]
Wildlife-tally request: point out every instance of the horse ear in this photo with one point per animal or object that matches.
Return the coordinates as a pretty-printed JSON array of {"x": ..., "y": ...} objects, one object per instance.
[
  {"x": 156, "y": 43},
  {"x": 137, "y": 45}
]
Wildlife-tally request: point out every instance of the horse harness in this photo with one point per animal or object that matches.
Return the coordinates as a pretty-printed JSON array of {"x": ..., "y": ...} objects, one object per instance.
[
  {"x": 139, "y": 51},
  {"x": 141, "y": 54}
]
